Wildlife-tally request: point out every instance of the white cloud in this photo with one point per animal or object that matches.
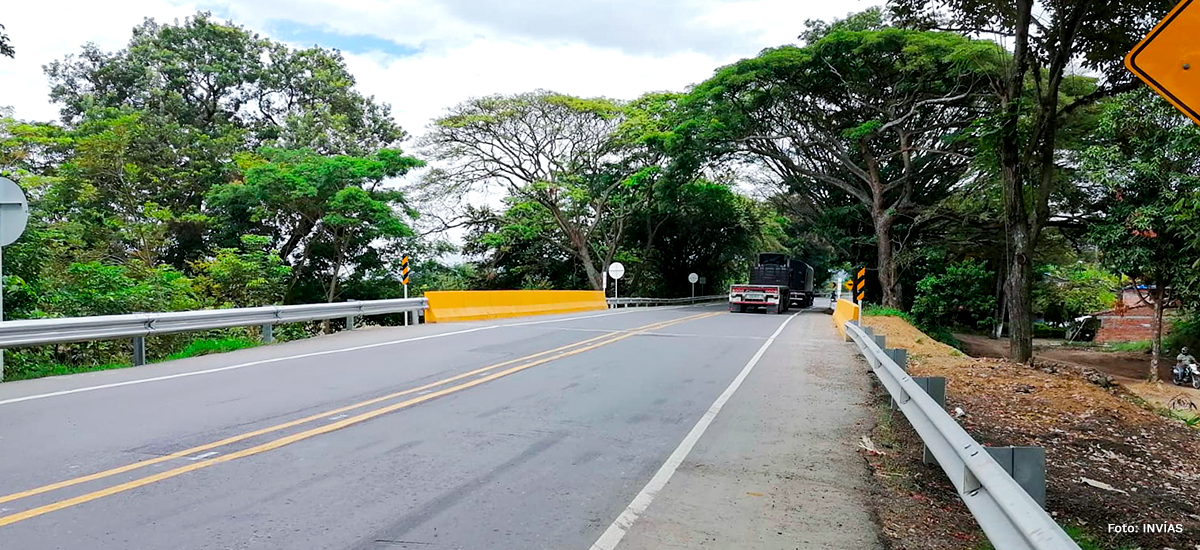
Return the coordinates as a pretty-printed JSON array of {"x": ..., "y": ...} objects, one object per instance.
[
  {"x": 618, "y": 48},
  {"x": 468, "y": 48}
]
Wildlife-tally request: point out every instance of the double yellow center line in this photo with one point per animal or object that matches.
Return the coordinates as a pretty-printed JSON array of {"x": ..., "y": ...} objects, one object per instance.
[{"x": 482, "y": 376}]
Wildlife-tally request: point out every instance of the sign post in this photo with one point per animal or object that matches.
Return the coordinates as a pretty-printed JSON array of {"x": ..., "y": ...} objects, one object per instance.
[
  {"x": 693, "y": 278},
  {"x": 404, "y": 279},
  {"x": 14, "y": 214},
  {"x": 616, "y": 271},
  {"x": 1168, "y": 60}
]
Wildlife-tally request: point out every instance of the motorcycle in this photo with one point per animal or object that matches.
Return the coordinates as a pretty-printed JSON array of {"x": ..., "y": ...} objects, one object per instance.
[{"x": 1187, "y": 372}]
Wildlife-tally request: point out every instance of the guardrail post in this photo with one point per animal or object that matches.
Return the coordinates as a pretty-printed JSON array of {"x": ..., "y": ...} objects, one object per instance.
[
  {"x": 849, "y": 339},
  {"x": 1026, "y": 465},
  {"x": 935, "y": 386},
  {"x": 881, "y": 341},
  {"x": 139, "y": 351},
  {"x": 268, "y": 333},
  {"x": 350, "y": 320},
  {"x": 899, "y": 356}
]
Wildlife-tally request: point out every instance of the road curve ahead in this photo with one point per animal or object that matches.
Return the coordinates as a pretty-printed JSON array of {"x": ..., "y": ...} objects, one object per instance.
[{"x": 523, "y": 434}]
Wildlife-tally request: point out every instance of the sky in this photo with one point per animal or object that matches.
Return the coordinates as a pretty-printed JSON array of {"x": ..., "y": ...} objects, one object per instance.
[{"x": 423, "y": 56}]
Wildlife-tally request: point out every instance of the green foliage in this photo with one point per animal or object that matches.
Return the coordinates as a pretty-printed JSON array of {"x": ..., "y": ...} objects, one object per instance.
[
  {"x": 1067, "y": 292},
  {"x": 864, "y": 116},
  {"x": 1184, "y": 333},
  {"x": 327, "y": 214},
  {"x": 872, "y": 310},
  {"x": 1135, "y": 347},
  {"x": 20, "y": 371},
  {"x": 247, "y": 277},
  {"x": 959, "y": 297},
  {"x": 207, "y": 346},
  {"x": 94, "y": 288},
  {"x": 1044, "y": 330}
]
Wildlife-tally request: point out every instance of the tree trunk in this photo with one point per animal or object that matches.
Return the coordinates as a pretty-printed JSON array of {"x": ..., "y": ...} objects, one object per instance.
[
  {"x": 1020, "y": 300},
  {"x": 595, "y": 277},
  {"x": 1001, "y": 304},
  {"x": 1016, "y": 217},
  {"x": 888, "y": 281},
  {"x": 1156, "y": 347}
]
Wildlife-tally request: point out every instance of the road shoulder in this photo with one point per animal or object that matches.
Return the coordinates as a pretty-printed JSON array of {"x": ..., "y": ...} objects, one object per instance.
[{"x": 778, "y": 467}]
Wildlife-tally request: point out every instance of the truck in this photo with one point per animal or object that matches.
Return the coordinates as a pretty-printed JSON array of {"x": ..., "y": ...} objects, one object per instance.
[{"x": 777, "y": 283}]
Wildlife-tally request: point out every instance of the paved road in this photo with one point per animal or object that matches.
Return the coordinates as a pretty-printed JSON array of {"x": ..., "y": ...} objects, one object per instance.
[{"x": 523, "y": 434}]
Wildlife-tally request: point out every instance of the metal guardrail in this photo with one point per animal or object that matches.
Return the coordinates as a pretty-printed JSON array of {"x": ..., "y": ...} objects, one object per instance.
[
  {"x": 1010, "y": 518},
  {"x": 648, "y": 302},
  {"x": 36, "y": 332}
]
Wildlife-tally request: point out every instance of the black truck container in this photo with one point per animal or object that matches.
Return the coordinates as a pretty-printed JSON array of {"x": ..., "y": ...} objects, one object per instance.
[{"x": 776, "y": 269}]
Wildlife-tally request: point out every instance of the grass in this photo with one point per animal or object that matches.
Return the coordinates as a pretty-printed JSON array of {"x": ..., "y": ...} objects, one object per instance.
[
  {"x": 207, "y": 346},
  {"x": 29, "y": 372},
  {"x": 195, "y": 348},
  {"x": 1139, "y": 347}
]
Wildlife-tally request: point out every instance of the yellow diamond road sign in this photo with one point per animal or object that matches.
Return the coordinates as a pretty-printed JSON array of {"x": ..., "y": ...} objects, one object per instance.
[{"x": 1168, "y": 59}]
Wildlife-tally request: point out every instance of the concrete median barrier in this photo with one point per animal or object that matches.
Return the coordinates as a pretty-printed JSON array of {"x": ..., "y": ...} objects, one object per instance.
[
  {"x": 473, "y": 305},
  {"x": 844, "y": 311}
]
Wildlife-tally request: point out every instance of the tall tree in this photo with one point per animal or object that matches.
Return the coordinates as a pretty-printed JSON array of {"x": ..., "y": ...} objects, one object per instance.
[
  {"x": 330, "y": 217},
  {"x": 554, "y": 150},
  {"x": 1048, "y": 39},
  {"x": 883, "y": 117},
  {"x": 1146, "y": 161}
]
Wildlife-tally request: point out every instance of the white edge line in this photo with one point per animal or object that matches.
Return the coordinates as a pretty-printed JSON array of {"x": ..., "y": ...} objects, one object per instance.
[
  {"x": 615, "y": 532},
  {"x": 301, "y": 356}
]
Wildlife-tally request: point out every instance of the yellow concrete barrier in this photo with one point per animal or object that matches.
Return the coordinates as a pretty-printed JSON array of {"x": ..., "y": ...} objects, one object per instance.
[
  {"x": 844, "y": 311},
  {"x": 471, "y": 305}
]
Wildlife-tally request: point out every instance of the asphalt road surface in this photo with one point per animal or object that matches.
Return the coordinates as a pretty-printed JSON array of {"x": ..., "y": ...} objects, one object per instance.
[{"x": 548, "y": 432}]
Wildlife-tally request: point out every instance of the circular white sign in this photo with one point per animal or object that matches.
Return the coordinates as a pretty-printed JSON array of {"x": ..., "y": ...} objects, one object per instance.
[
  {"x": 692, "y": 278},
  {"x": 616, "y": 270},
  {"x": 14, "y": 211}
]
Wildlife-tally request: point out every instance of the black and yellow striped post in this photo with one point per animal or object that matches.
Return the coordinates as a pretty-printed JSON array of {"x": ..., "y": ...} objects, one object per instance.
[
  {"x": 860, "y": 285},
  {"x": 404, "y": 280}
]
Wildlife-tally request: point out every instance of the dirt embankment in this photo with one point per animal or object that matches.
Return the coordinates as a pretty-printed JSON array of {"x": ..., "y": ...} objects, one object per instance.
[
  {"x": 1129, "y": 369},
  {"x": 1151, "y": 464}
]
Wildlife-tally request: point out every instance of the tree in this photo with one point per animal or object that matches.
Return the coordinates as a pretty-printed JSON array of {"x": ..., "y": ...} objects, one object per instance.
[
  {"x": 215, "y": 76},
  {"x": 959, "y": 297},
  {"x": 1046, "y": 43},
  {"x": 884, "y": 118},
  {"x": 1068, "y": 292},
  {"x": 513, "y": 250},
  {"x": 1146, "y": 163},
  {"x": 250, "y": 276},
  {"x": 549, "y": 149},
  {"x": 6, "y": 48},
  {"x": 704, "y": 228},
  {"x": 329, "y": 216}
]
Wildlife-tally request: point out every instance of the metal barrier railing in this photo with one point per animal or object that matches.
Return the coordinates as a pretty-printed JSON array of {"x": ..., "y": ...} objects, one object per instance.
[
  {"x": 648, "y": 302},
  {"x": 1008, "y": 515},
  {"x": 36, "y": 332}
]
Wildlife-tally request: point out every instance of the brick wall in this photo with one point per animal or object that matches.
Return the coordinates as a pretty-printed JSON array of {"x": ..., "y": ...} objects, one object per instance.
[{"x": 1125, "y": 329}]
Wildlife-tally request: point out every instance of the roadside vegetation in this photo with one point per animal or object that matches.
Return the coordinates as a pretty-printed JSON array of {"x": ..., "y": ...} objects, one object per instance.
[{"x": 997, "y": 173}]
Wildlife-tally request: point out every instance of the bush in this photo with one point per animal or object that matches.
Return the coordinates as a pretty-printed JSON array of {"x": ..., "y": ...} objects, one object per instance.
[
  {"x": 1065, "y": 293},
  {"x": 960, "y": 297},
  {"x": 1185, "y": 332},
  {"x": 1043, "y": 330}
]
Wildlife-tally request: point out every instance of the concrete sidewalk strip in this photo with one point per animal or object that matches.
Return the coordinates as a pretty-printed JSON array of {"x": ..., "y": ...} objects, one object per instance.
[{"x": 778, "y": 467}]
